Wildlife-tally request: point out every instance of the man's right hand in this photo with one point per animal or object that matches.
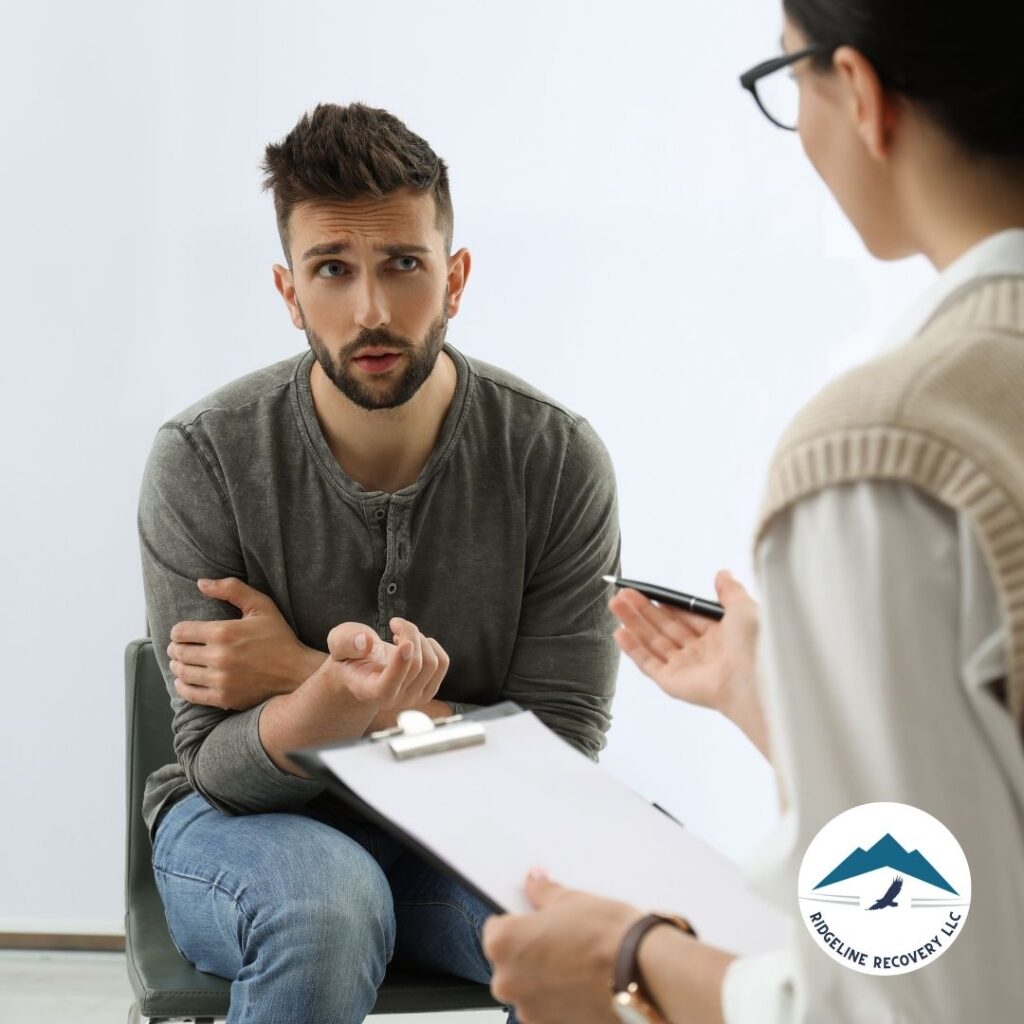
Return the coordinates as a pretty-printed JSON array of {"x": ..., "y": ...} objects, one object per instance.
[{"x": 236, "y": 664}]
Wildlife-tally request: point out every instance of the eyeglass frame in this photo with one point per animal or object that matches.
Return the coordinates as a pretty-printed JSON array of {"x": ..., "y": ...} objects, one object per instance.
[{"x": 749, "y": 79}]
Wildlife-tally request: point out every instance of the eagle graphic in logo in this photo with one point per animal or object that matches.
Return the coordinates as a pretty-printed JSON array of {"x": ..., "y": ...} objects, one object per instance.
[{"x": 889, "y": 899}]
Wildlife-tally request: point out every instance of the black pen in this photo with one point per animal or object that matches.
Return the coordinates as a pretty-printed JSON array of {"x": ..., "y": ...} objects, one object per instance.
[{"x": 696, "y": 605}]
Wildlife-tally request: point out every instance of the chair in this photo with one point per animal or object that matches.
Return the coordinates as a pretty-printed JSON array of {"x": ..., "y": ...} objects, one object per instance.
[{"x": 166, "y": 986}]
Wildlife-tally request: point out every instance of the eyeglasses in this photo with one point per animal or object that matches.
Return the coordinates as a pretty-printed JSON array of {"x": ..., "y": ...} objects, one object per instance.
[{"x": 776, "y": 94}]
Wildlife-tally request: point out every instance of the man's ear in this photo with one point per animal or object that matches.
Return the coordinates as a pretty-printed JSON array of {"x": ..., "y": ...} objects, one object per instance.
[
  {"x": 458, "y": 273},
  {"x": 285, "y": 284},
  {"x": 874, "y": 110}
]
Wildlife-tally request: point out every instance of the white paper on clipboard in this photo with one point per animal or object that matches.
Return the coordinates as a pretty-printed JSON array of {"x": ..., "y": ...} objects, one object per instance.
[{"x": 525, "y": 798}]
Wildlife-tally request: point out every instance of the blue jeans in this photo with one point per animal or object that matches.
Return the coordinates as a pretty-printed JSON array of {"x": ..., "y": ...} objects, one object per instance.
[{"x": 303, "y": 917}]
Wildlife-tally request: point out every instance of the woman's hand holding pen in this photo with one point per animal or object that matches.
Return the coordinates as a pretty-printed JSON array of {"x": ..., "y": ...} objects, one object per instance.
[{"x": 713, "y": 664}]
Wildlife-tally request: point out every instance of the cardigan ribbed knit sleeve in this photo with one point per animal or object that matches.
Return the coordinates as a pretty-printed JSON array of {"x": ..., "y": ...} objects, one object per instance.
[{"x": 944, "y": 413}]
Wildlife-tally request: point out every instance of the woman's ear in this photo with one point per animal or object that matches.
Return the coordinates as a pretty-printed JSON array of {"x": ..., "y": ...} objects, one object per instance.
[{"x": 873, "y": 109}]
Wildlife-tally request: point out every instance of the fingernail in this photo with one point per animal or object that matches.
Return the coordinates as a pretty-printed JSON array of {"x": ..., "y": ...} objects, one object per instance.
[
  {"x": 203, "y": 584},
  {"x": 407, "y": 653},
  {"x": 538, "y": 874},
  {"x": 361, "y": 642}
]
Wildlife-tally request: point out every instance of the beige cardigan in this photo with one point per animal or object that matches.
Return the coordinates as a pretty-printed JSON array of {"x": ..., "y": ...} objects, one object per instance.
[{"x": 945, "y": 413}]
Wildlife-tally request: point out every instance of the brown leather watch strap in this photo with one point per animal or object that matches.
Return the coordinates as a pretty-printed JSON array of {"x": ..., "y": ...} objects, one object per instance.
[{"x": 625, "y": 964}]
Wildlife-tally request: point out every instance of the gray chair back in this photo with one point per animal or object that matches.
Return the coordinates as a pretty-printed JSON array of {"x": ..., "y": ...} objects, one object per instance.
[{"x": 165, "y": 984}]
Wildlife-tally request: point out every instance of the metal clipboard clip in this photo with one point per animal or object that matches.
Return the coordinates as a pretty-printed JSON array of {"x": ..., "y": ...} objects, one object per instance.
[{"x": 417, "y": 734}]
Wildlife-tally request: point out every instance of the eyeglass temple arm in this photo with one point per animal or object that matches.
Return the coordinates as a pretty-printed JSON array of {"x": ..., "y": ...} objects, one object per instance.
[{"x": 749, "y": 78}]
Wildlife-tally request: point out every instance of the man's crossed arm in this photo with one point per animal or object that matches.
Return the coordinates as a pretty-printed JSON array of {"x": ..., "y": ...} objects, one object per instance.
[{"x": 236, "y": 664}]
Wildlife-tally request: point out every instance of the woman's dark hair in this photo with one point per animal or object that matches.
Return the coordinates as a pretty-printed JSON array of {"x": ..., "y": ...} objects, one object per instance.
[{"x": 962, "y": 63}]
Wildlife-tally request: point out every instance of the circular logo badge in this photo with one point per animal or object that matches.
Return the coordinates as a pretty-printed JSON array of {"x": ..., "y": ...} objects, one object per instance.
[{"x": 884, "y": 889}]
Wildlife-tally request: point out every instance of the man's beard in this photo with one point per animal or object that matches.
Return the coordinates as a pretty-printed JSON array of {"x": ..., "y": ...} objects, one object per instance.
[{"x": 419, "y": 364}]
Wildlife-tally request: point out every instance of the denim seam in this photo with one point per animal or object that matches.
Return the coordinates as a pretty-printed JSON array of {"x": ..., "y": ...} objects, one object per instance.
[{"x": 250, "y": 1008}]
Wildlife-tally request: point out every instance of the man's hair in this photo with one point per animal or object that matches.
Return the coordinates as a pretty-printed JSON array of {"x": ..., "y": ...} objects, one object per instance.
[{"x": 354, "y": 152}]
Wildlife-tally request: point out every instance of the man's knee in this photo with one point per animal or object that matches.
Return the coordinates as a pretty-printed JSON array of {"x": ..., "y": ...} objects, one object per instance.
[
  {"x": 282, "y": 885},
  {"x": 326, "y": 893},
  {"x": 346, "y": 905}
]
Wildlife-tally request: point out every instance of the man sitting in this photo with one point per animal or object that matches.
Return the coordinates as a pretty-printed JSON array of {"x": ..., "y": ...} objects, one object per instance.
[{"x": 439, "y": 526}]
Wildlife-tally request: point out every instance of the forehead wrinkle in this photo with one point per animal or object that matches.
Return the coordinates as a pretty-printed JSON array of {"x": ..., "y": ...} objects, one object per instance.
[
  {"x": 389, "y": 219},
  {"x": 366, "y": 227}
]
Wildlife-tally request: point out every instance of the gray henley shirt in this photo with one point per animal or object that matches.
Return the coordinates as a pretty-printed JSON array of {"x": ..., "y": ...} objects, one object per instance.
[{"x": 497, "y": 550}]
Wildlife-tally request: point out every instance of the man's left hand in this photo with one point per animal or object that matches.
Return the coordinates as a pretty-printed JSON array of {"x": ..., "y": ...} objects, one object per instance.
[
  {"x": 555, "y": 966},
  {"x": 238, "y": 663}
]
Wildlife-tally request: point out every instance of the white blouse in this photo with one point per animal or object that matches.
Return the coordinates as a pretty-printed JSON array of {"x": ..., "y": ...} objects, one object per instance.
[{"x": 882, "y": 654}]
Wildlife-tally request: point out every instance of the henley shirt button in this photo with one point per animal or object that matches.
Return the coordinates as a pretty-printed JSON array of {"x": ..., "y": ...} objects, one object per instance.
[
  {"x": 380, "y": 513},
  {"x": 392, "y": 587}
]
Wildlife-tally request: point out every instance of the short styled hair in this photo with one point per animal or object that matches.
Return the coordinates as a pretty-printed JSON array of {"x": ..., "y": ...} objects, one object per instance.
[{"x": 343, "y": 153}]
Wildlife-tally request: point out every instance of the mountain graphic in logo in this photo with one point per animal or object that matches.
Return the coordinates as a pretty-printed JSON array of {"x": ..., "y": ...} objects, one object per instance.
[{"x": 886, "y": 853}]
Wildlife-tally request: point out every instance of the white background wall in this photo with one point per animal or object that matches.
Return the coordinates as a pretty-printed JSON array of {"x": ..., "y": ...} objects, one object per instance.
[{"x": 647, "y": 249}]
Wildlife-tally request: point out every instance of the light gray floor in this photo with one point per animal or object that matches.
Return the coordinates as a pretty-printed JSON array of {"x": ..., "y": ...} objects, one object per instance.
[{"x": 92, "y": 988}]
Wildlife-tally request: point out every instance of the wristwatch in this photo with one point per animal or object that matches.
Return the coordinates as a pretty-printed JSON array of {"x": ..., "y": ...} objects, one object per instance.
[{"x": 629, "y": 1001}]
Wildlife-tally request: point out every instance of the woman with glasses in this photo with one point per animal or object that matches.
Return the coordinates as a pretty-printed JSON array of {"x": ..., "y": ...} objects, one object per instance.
[{"x": 887, "y": 660}]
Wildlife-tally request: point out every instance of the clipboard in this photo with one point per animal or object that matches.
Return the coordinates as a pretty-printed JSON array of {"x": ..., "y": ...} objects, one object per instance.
[
  {"x": 310, "y": 760},
  {"x": 486, "y": 796}
]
